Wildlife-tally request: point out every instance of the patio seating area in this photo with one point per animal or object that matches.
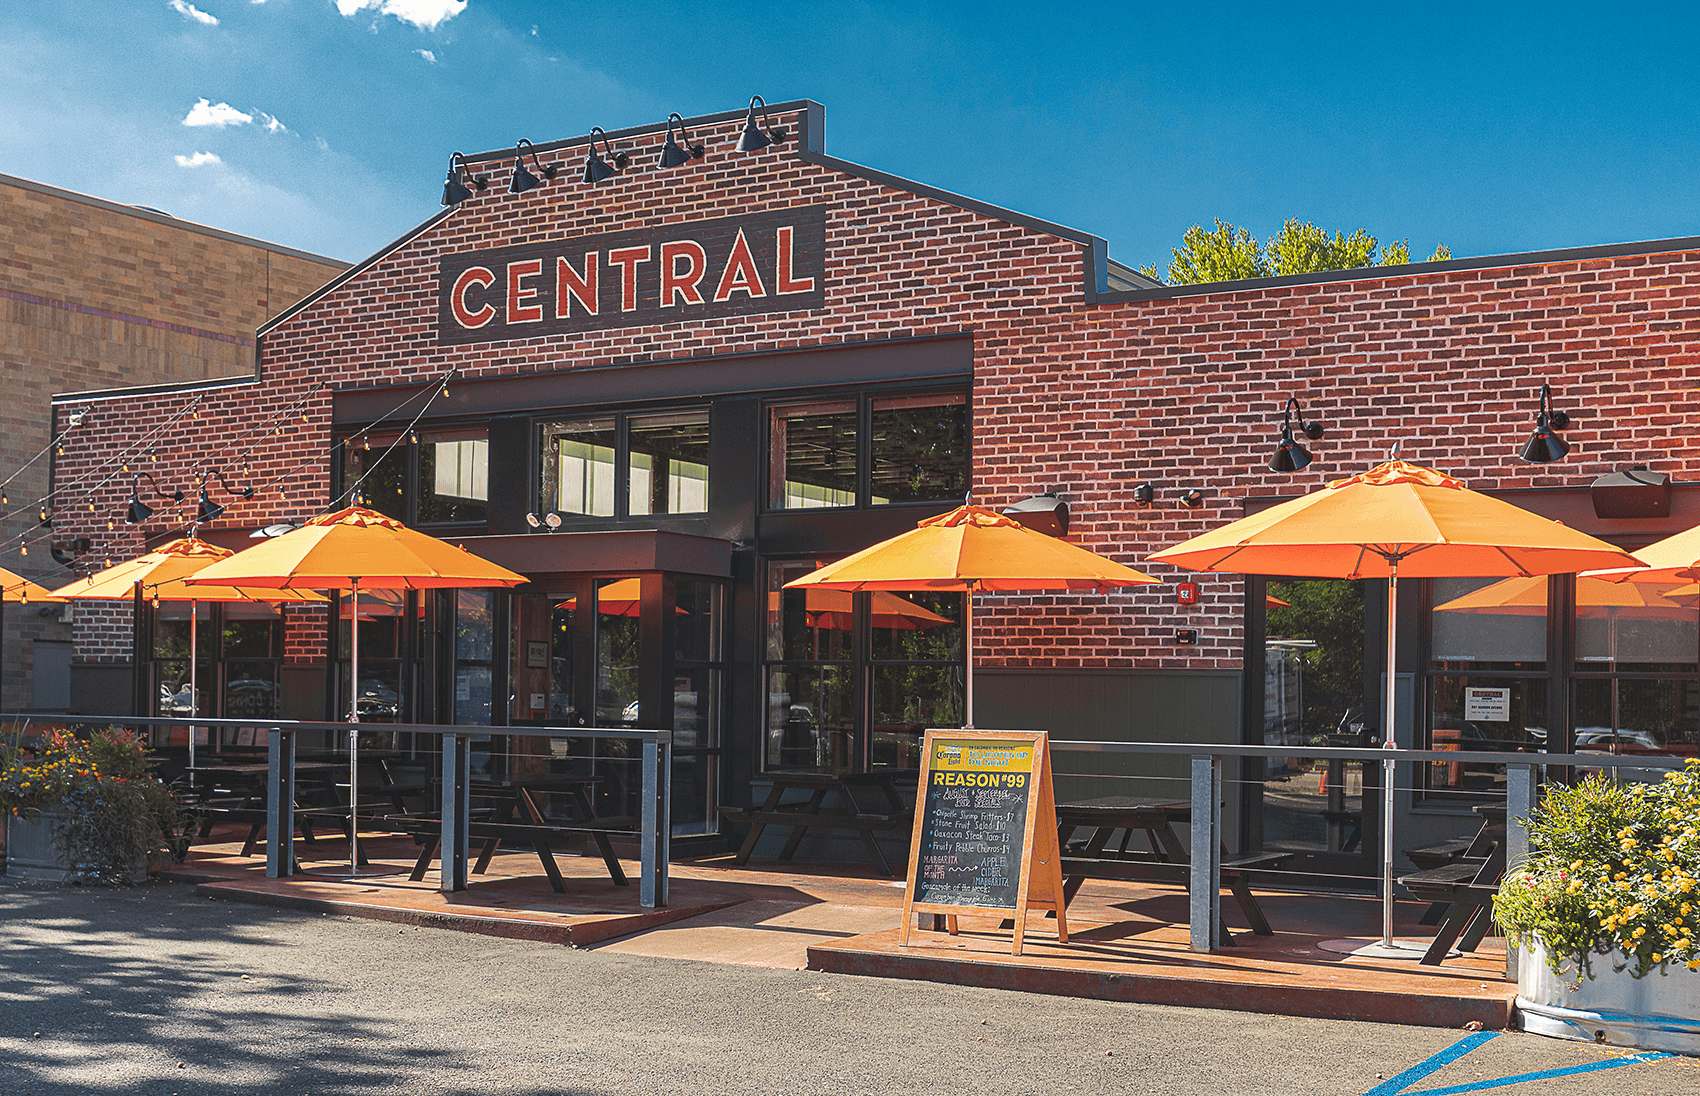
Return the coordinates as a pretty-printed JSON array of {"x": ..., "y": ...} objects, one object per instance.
[{"x": 1129, "y": 940}]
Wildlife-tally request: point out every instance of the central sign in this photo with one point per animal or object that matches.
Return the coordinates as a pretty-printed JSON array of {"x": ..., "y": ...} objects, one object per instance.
[{"x": 768, "y": 262}]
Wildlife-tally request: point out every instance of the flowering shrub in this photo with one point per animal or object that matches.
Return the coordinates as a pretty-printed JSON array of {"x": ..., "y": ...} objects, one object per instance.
[
  {"x": 1611, "y": 866},
  {"x": 111, "y": 812}
]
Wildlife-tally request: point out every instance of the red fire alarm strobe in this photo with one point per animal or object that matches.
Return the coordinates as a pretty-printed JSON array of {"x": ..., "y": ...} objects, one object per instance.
[{"x": 1187, "y": 593}]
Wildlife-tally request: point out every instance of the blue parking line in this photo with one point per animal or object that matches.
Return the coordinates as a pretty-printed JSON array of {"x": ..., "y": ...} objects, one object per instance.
[{"x": 1396, "y": 1086}]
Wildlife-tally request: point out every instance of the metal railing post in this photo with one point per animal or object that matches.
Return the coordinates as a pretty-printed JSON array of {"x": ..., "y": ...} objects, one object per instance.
[
  {"x": 1206, "y": 881},
  {"x": 1519, "y": 804},
  {"x": 280, "y": 802},
  {"x": 456, "y": 812},
  {"x": 653, "y": 843}
]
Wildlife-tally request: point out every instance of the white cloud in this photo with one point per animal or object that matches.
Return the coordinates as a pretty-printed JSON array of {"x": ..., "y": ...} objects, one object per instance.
[
  {"x": 204, "y": 113},
  {"x": 199, "y": 159},
  {"x": 268, "y": 123},
  {"x": 427, "y": 54},
  {"x": 190, "y": 11},
  {"x": 426, "y": 14}
]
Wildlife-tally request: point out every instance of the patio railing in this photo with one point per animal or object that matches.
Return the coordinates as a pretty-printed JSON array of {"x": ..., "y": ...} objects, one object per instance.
[
  {"x": 282, "y": 737},
  {"x": 1206, "y": 789}
]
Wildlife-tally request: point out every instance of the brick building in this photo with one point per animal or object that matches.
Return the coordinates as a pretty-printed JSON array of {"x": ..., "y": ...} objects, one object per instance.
[
  {"x": 713, "y": 376},
  {"x": 95, "y": 295}
]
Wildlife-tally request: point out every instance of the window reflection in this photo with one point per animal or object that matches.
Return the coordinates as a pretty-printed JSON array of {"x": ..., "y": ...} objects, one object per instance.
[
  {"x": 669, "y": 463},
  {"x": 578, "y": 466},
  {"x": 813, "y": 455},
  {"x": 920, "y": 447},
  {"x": 376, "y": 465},
  {"x": 454, "y": 476},
  {"x": 1490, "y": 623}
]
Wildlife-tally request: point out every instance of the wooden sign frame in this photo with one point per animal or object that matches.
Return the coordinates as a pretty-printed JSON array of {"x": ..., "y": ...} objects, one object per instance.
[{"x": 1041, "y": 884}]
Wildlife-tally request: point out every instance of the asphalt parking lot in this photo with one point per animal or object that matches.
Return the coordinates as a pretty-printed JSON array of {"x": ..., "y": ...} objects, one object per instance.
[{"x": 154, "y": 990}]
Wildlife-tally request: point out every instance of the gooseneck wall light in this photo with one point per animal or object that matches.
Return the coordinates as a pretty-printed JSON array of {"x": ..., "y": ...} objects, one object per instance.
[
  {"x": 524, "y": 180},
  {"x": 205, "y": 509},
  {"x": 455, "y": 190},
  {"x": 672, "y": 152},
  {"x": 140, "y": 511},
  {"x": 1543, "y": 445},
  {"x": 753, "y": 139},
  {"x": 596, "y": 169},
  {"x": 1289, "y": 455}
]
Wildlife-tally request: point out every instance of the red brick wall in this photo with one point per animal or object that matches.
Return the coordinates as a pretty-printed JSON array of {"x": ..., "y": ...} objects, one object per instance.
[{"x": 1093, "y": 400}]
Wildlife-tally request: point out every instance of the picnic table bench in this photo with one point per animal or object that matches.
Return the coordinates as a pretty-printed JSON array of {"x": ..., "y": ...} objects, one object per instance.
[
  {"x": 1460, "y": 891},
  {"x": 1166, "y": 862},
  {"x": 893, "y": 815}
]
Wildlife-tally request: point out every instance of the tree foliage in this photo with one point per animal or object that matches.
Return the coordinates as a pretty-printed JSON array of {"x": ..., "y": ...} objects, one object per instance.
[
  {"x": 1230, "y": 253},
  {"x": 1330, "y": 612}
]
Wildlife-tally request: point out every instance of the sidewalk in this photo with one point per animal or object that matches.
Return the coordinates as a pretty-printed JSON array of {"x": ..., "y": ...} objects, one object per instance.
[{"x": 1127, "y": 941}]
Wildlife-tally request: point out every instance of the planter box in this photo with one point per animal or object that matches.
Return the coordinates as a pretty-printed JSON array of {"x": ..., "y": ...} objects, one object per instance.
[
  {"x": 1658, "y": 1012},
  {"x": 32, "y": 854}
]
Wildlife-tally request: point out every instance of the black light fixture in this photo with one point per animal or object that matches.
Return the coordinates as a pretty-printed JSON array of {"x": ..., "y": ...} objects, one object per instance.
[
  {"x": 672, "y": 154},
  {"x": 1544, "y": 446},
  {"x": 205, "y": 509},
  {"x": 1192, "y": 498},
  {"x": 1043, "y": 513},
  {"x": 1144, "y": 494},
  {"x": 596, "y": 169},
  {"x": 1290, "y": 456},
  {"x": 753, "y": 139},
  {"x": 524, "y": 180},
  {"x": 140, "y": 511},
  {"x": 455, "y": 191}
]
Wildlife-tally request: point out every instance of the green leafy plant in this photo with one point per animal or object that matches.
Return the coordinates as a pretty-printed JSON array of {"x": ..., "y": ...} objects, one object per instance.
[
  {"x": 111, "y": 811},
  {"x": 1611, "y": 866}
]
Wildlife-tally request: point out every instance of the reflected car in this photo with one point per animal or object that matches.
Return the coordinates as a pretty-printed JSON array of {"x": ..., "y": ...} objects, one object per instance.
[
  {"x": 1604, "y": 738},
  {"x": 377, "y": 700},
  {"x": 174, "y": 703}
]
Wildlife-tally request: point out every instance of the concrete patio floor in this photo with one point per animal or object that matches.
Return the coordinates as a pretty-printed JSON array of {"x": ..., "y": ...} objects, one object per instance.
[{"x": 1128, "y": 941}]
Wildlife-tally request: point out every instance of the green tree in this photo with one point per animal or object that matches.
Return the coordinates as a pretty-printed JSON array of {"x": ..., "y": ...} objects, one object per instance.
[{"x": 1230, "y": 253}]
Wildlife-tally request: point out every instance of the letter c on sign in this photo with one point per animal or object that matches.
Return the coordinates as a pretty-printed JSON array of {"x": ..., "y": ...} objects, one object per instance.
[{"x": 473, "y": 276}]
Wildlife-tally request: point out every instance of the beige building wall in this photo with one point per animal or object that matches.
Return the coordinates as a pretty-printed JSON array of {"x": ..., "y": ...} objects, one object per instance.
[{"x": 97, "y": 295}]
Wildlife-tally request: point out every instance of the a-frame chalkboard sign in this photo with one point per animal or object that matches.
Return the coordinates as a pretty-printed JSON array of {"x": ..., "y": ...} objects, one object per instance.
[{"x": 985, "y": 836}]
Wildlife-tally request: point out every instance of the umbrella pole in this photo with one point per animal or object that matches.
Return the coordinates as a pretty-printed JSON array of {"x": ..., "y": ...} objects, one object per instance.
[
  {"x": 968, "y": 657},
  {"x": 1390, "y": 746},
  {"x": 194, "y": 681},
  {"x": 354, "y": 729}
]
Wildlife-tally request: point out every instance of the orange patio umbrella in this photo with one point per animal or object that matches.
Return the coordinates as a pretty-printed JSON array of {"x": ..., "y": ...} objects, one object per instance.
[
  {"x": 972, "y": 549},
  {"x": 15, "y": 587},
  {"x": 1595, "y": 597},
  {"x": 1396, "y": 519},
  {"x": 347, "y": 550},
  {"x": 159, "y": 574},
  {"x": 1674, "y": 559}
]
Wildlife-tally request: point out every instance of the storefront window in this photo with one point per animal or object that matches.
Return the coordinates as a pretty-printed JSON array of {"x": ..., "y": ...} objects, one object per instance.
[
  {"x": 920, "y": 448},
  {"x": 1631, "y": 627},
  {"x": 454, "y": 476},
  {"x": 1490, "y": 624},
  {"x": 382, "y": 620},
  {"x": 618, "y": 606},
  {"x": 1637, "y": 715},
  {"x": 251, "y": 647},
  {"x": 578, "y": 467},
  {"x": 810, "y": 703},
  {"x": 669, "y": 463},
  {"x": 171, "y": 659},
  {"x": 813, "y": 455},
  {"x": 375, "y": 467}
]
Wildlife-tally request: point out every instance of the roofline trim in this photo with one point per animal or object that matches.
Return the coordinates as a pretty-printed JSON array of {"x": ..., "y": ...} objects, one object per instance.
[
  {"x": 1364, "y": 273},
  {"x": 152, "y": 389},
  {"x": 355, "y": 271},
  {"x": 143, "y": 214}
]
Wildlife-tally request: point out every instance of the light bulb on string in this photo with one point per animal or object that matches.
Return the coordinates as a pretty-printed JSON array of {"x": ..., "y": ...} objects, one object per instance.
[{"x": 156, "y": 601}]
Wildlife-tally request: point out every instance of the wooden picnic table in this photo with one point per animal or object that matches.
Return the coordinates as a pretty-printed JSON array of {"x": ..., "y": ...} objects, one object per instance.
[
  {"x": 1460, "y": 892},
  {"x": 848, "y": 814},
  {"x": 1167, "y": 860},
  {"x": 237, "y": 793}
]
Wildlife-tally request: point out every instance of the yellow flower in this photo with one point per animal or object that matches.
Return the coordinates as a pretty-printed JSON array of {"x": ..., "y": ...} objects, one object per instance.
[
  {"x": 1639, "y": 932},
  {"x": 1657, "y": 958}
]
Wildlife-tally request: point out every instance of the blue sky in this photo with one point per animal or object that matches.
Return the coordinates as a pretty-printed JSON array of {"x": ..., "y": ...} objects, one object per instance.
[{"x": 326, "y": 124}]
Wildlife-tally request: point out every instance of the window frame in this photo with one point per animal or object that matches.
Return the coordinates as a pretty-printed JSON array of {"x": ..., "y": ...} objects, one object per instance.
[
  {"x": 542, "y": 493},
  {"x": 864, "y": 399}
]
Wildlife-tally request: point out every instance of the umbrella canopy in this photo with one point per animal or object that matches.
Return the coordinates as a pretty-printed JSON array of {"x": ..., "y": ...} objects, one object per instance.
[
  {"x": 1595, "y": 597},
  {"x": 1396, "y": 519},
  {"x": 356, "y": 546},
  {"x": 162, "y": 571},
  {"x": 15, "y": 587},
  {"x": 347, "y": 550},
  {"x": 972, "y": 548},
  {"x": 1674, "y": 559}
]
